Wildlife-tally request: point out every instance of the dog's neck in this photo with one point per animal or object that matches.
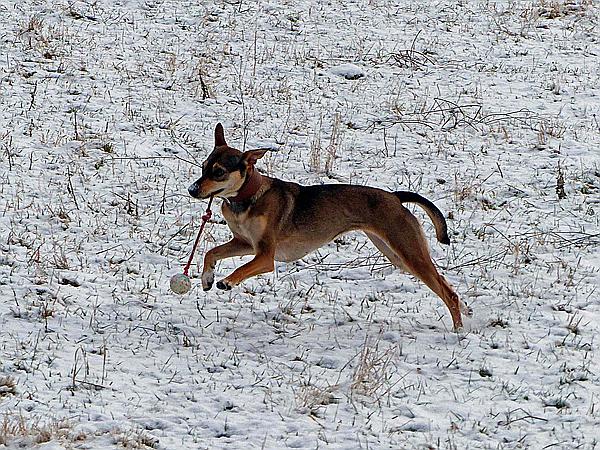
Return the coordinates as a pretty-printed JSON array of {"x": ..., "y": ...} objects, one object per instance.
[{"x": 250, "y": 187}]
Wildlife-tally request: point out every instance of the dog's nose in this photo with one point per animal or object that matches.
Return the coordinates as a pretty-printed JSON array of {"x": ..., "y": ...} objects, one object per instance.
[{"x": 194, "y": 191}]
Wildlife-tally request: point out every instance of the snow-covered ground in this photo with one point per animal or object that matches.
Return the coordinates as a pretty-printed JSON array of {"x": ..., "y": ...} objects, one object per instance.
[{"x": 489, "y": 108}]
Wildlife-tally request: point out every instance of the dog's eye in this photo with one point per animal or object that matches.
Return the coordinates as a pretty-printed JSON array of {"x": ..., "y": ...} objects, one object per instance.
[{"x": 218, "y": 172}]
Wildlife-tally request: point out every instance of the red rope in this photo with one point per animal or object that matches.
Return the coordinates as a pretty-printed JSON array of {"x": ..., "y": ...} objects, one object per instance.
[{"x": 205, "y": 219}]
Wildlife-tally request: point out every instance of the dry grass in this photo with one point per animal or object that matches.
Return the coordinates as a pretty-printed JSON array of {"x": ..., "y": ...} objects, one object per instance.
[
  {"x": 8, "y": 386},
  {"x": 323, "y": 159},
  {"x": 136, "y": 439},
  {"x": 16, "y": 430},
  {"x": 554, "y": 9},
  {"x": 374, "y": 369},
  {"x": 313, "y": 398}
]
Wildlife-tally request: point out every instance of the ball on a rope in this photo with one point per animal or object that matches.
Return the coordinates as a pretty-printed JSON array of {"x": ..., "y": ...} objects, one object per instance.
[{"x": 180, "y": 283}]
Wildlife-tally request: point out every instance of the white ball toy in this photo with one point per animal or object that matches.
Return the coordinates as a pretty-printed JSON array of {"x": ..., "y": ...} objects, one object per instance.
[{"x": 180, "y": 283}]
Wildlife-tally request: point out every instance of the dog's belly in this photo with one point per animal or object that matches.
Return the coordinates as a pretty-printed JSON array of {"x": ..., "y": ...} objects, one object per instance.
[
  {"x": 289, "y": 254},
  {"x": 291, "y": 251},
  {"x": 296, "y": 247}
]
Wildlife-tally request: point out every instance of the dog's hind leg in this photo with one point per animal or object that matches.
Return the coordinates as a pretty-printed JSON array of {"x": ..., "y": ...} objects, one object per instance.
[
  {"x": 406, "y": 247},
  {"x": 424, "y": 269},
  {"x": 386, "y": 250}
]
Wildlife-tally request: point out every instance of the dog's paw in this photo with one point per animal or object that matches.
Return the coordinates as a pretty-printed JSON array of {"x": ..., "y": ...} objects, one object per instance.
[
  {"x": 224, "y": 285},
  {"x": 208, "y": 279}
]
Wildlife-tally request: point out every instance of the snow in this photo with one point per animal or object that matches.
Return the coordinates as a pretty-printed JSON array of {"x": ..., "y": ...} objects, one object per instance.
[
  {"x": 489, "y": 109},
  {"x": 348, "y": 71}
]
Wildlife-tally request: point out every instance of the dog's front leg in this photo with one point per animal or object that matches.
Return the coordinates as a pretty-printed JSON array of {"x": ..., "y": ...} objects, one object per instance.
[
  {"x": 235, "y": 247},
  {"x": 263, "y": 262}
]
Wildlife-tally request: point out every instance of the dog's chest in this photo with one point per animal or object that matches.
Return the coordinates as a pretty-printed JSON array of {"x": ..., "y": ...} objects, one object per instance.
[{"x": 241, "y": 224}]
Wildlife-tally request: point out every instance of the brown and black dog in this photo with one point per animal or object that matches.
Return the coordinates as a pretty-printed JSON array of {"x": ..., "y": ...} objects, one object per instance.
[{"x": 276, "y": 220}]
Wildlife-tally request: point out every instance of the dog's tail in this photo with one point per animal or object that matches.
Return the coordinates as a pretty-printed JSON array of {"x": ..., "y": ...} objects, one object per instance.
[{"x": 436, "y": 216}]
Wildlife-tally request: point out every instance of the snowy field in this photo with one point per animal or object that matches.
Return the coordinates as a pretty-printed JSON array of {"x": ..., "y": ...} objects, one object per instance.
[{"x": 491, "y": 109}]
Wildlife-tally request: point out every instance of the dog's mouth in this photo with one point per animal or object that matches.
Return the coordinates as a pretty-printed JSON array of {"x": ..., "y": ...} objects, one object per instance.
[
  {"x": 195, "y": 191},
  {"x": 213, "y": 194}
]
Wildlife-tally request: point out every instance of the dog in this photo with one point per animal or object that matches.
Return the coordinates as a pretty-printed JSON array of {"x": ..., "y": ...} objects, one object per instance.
[{"x": 277, "y": 220}]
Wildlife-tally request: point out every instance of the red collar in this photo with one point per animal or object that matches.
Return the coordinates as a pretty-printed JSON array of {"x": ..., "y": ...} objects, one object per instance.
[{"x": 250, "y": 187}]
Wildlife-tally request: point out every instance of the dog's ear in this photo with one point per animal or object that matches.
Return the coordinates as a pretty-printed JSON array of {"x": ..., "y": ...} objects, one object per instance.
[
  {"x": 219, "y": 136},
  {"x": 251, "y": 156}
]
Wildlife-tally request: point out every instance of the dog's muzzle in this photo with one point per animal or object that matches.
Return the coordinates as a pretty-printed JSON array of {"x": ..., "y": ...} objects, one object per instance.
[{"x": 194, "y": 190}]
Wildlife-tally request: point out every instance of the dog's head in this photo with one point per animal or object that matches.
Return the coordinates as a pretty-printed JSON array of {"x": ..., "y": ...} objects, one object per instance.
[{"x": 225, "y": 170}]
